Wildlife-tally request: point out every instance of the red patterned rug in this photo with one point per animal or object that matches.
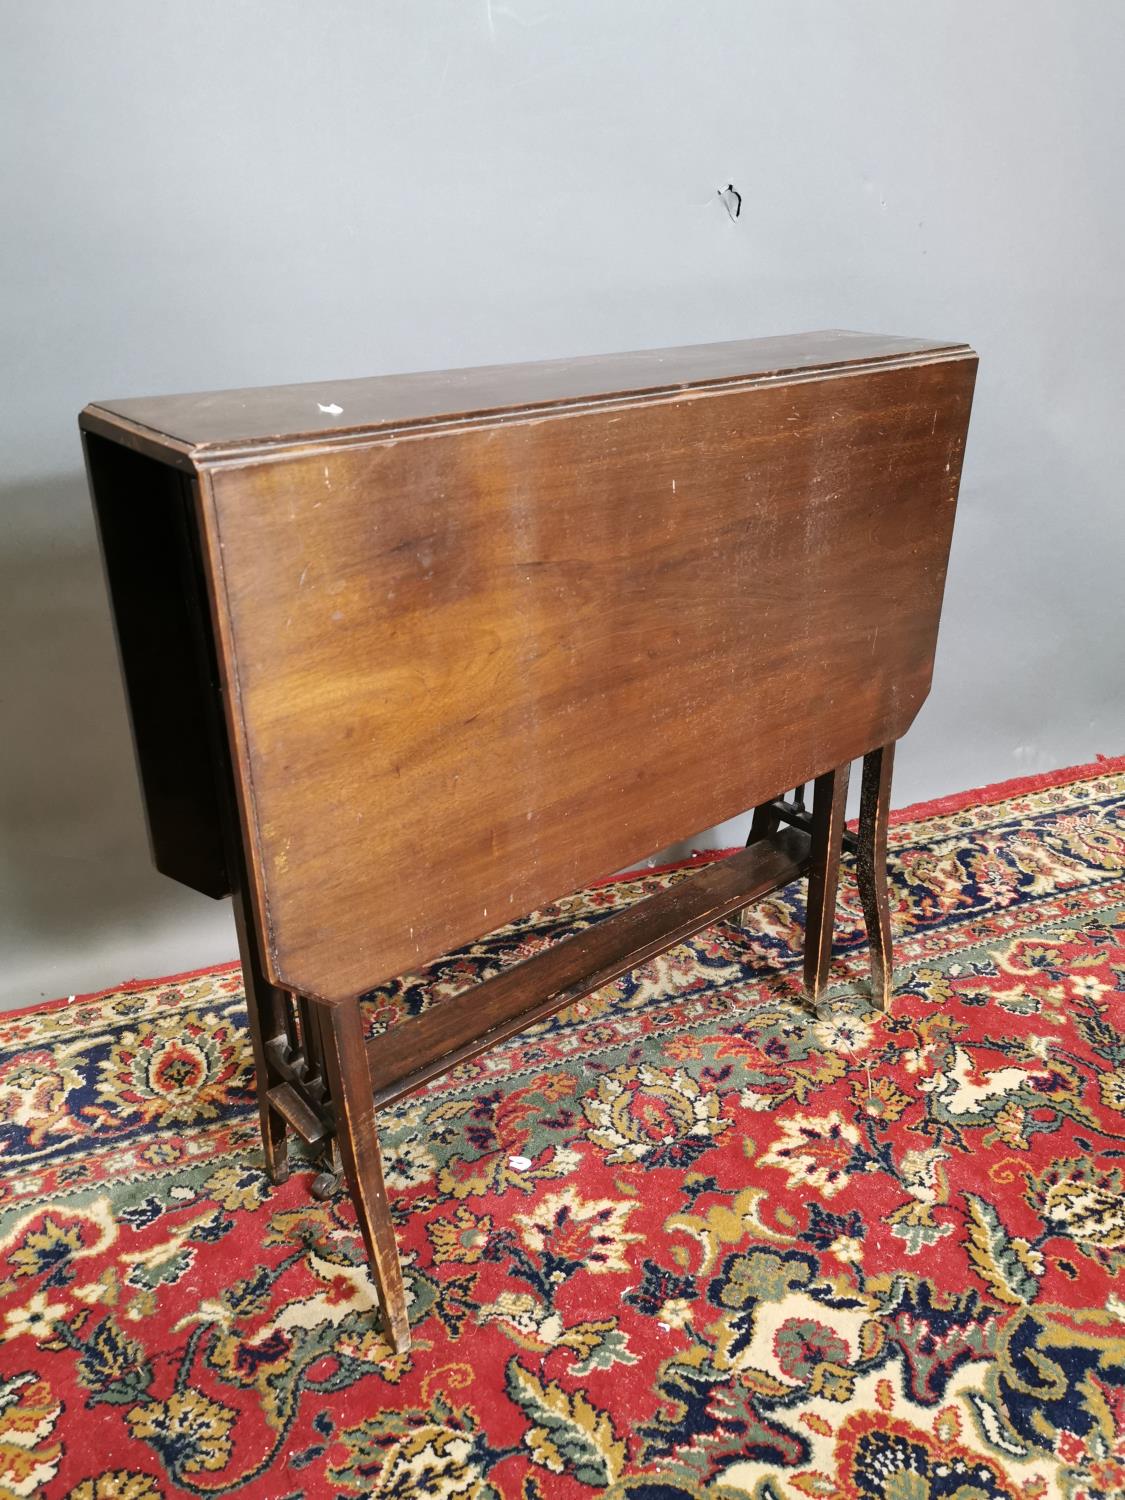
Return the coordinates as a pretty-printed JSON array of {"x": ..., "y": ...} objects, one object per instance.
[{"x": 683, "y": 1240}]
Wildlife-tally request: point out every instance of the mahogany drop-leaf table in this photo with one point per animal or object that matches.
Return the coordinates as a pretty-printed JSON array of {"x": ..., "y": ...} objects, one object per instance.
[{"x": 412, "y": 656}]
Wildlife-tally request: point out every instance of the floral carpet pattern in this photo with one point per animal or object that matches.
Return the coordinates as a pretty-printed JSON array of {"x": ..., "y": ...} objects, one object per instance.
[{"x": 685, "y": 1239}]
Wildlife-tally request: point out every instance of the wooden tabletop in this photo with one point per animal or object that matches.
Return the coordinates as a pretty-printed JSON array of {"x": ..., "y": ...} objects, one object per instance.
[{"x": 213, "y": 422}]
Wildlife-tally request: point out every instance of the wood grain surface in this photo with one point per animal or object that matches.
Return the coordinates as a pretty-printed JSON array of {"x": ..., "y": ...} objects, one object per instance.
[{"x": 469, "y": 670}]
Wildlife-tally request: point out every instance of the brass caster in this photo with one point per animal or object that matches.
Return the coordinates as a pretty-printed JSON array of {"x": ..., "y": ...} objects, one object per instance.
[
  {"x": 325, "y": 1185},
  {"x": 328, "y": 1180}
]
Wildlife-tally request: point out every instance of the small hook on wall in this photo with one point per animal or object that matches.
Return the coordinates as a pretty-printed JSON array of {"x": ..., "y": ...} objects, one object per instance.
[{"x": 731, "y": 200}]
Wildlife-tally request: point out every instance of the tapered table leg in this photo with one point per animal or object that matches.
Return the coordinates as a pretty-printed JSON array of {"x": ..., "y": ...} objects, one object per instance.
[
  {"x": 830, "y": 795},
  {"x": 345, "y": 1056},
  {"x": 871, "y": 868},
  {"x": 266, "y": 1010}
]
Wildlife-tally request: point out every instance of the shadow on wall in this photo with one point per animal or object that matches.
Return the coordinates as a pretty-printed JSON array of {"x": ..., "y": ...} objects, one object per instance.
[{"x": 74, "y": 860}]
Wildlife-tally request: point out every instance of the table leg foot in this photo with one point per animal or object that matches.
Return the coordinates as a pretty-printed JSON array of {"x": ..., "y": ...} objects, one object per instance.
[{"x": 275, "y": 1145}]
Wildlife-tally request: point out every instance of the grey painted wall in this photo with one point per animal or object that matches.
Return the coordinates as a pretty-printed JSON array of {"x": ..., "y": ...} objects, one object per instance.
[{"x": 235, "y": 192}]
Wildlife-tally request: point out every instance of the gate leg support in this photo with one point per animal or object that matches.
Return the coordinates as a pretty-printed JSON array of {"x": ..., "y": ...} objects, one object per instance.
[
  {"x": 871, "y": 868},
  {"x": 830, "y": 795},
  {"x": 763, "y": 825},
  {"x": 349, "y": 1078}
]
